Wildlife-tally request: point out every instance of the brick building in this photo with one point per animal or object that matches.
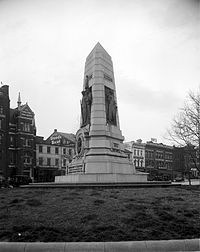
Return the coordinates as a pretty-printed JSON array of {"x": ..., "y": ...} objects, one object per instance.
[
  {"x": 17, "y": 137},
  {"x": 159, "y": 160},
  {"x": 53, "y": 155},
  {"x": 185, "y": 162}
]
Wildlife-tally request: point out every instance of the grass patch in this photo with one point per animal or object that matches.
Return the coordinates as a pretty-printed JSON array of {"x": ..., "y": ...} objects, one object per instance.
[
  {"x": 89, "y": 218},
  {"x": 16, "y": 201},
  {"x": 75, "y": 215},
  {"x": 33, "y": 202},
  {"x": 99, "y": 202}
]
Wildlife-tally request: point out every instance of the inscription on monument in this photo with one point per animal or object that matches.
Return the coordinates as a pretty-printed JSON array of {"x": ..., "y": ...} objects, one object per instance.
[{"x": 107, "y": 77}]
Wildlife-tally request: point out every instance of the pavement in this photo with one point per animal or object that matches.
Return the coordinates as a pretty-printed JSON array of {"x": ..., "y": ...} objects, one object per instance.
[
  {"x": 186, "y": 182},
  {"x": 133, "y": 246},
  {"x": 106, "y": 185}
]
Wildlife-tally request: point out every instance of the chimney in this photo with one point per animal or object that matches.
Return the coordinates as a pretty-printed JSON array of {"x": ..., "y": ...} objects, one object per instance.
[
  {"x": 55, "y": 130},
  {"x": 19, "y": 101}
]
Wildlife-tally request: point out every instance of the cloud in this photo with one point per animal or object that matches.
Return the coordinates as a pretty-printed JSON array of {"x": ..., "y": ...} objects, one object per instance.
[
  {"x": 177, "y": 15},
  {"x": 147, "y": 99}
]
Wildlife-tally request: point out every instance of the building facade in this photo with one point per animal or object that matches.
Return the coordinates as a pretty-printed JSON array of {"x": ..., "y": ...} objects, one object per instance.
[
  {"x": 4, "y": 130},
  {"x": 17, "y": 137},
  {"x": 138, "y": 153},
  {"x": 185, "y": 162},
  {"x": 153, "y": 158},
  {"x": 159, "y": 161},
  {"x": 53, "y": 155}
]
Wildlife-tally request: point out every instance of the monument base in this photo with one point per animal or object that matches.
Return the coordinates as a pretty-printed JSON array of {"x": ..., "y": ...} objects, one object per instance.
[{"x": 102, "y": 178}]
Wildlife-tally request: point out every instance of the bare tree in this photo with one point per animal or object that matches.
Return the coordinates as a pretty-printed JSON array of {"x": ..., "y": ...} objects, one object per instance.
[{"x": 185, "y": 129}]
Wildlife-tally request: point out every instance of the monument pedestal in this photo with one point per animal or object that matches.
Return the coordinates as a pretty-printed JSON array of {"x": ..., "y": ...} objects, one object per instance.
[
  {"x": 100, "y": 155},
  {"x": 102, "y": 178}
]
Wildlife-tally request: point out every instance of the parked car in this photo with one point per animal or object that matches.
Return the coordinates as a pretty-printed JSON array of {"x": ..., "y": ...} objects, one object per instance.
[
  {"x": 18, "y": 180},
  {"x": 178, "y": 179}
]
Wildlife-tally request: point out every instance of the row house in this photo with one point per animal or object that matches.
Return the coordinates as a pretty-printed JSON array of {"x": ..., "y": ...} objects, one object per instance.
[
  {"x": 152, "y": 157},
  {"x": 138, "y": 153},
  {"x": 17, "y": 137},
  {"x": 53, "y": 155},
  {"x": 158, "y": 160}
]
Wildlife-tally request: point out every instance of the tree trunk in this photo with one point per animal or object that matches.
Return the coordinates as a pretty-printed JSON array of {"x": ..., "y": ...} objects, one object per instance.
[{"x": 189, "y": 179}]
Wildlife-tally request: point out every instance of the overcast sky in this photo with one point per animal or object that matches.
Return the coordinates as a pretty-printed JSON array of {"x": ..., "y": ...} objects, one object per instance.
[{"x": 153, "y": 45}]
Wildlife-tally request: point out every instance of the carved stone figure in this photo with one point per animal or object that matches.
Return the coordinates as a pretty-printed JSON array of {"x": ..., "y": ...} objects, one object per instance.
[
  {"x": 112, "y": 111},
  {"x": 86, "y": 104},
  {"x": 111, "y": 107},
  {"x": 86, "y": 82}
]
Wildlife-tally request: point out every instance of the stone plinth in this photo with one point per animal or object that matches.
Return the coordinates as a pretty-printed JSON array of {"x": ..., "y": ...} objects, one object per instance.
[{"x": 102, "y": 178}]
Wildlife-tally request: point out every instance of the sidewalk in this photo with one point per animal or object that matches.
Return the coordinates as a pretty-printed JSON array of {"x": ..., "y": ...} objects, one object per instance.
[
  {"x": 134, "y": 246},
  {"x": 186, "y": 182}
]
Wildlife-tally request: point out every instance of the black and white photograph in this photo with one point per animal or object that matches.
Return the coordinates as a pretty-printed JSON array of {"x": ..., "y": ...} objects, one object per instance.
[{"x": 99, "y": 125}]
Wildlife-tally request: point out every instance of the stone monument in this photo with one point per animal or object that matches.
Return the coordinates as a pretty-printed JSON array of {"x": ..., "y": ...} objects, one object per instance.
[{"x": 100, "y": 155}]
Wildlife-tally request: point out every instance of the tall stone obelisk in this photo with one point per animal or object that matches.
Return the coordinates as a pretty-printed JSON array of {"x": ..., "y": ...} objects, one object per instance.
[{"x": 100, "y": 155}]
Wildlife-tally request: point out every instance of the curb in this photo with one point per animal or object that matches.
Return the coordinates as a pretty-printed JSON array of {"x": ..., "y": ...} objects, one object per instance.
[
  {"x": 133, "y": 246},
  {"x": 97, "y": 185}
]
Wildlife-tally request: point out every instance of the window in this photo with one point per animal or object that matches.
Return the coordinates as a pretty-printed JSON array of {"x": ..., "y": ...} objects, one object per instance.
[
  {"x": 70, "y": 152},
  {"x": 48, "y": 149},
  {"x": 49, "y": 161},
  {"x": 22, "y": 140},
  {"x": 64, "y": 162},
  {"x": 26, "y": 126},
  {"x": 0, "y": 124},
  {"x": 64, "y": 151},
  {"x": 22, "y": 126},
  {"x": 56, "y": 162},
  {"x": 40, "y": 160},
  {"x": 115, "y": 145},
  {"x": 26, "y": 142},
  {"x": 56, "y": 150},
  {"x": 1, "y": 110},
  {"x": 1, "y": 139},
  {"x": 11, "y": 140},
  {"x": 27, "y": 160},
  {"x": 12, "y": 158},
  {"x": 40, "y": 148},
  {"x": 30, "y": 142}
]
